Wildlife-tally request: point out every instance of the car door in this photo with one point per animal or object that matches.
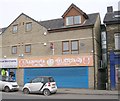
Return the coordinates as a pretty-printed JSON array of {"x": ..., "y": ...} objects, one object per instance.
[
  {"x": 36, "y": 84},
  {"x": 0, "y": 83}
]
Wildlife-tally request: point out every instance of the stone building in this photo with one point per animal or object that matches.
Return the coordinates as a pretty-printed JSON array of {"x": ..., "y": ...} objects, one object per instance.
[
  {"x": 67, "y": 48},
  {"x": 112, "y": 22}
]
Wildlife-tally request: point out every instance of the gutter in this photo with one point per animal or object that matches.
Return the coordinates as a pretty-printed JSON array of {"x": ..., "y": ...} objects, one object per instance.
[{"x": 68, "y": 28}]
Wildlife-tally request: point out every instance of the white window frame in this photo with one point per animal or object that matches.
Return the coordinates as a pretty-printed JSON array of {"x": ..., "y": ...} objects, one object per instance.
[
  {"x": 15, "y": 28},
  {"x": 14, "y": 49},
  {"x": 28, "y": 26},
  {"x": 70, "y": 20},
  {"x": 117, "y": 40},
  {"x": 26, "y": 48}
]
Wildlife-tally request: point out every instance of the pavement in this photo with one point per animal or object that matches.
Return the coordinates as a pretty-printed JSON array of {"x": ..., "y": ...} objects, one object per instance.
[{"x": 85, "y": 91}]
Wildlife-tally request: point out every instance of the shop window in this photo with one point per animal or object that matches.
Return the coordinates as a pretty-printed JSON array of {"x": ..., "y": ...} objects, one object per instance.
[
  {"x": 14, "y": 49},
  {"x": 15, "y": 28},
  {"x": 28, "y": 26},
  {"x": 72, "y": 20},
  {"x": 74, "y": 47},
  {"x": 65, "y": 47},
  {"x": 27, "y": 48}
]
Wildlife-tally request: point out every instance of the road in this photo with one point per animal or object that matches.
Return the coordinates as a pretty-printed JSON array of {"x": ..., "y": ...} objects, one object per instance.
[{"x": 20, "y": 95}]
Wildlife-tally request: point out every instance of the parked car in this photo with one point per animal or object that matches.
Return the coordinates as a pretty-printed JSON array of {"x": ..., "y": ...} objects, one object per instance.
[
  {"x": 7, "y": 84},
  {"x": 44, "y": 85}
]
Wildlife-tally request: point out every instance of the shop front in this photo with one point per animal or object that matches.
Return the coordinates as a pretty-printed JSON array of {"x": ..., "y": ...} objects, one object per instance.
[
  {"x": 68, "y": 71},
  {"x": 114, "y": 69},
  {"x": 8, "y": 67}
]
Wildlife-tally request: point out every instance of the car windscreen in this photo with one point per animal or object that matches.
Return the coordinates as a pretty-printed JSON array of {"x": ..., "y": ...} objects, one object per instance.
[{"x": 8, "y": 79}]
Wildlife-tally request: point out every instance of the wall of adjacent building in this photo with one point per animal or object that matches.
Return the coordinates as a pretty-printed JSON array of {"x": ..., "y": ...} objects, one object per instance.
[
  {"x": 97, "y": 47},
  {"x": 111, "y": 30}
]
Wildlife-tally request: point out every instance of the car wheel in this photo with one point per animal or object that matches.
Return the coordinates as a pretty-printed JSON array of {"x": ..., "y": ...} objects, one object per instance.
[
  {"x": 46, "y": 92},
  {"x": 26, "y": 91},
  {"x": 6, "y": 89}
]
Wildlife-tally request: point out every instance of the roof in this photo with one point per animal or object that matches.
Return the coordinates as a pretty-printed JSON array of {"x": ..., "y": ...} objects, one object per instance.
[
  {"x": 59, "y": 23},
  {"x": 2, "y": 30},
  {"x": 17, "y": 18},
  {"x": 112, "y": 17},
  {"x": 78, "y": 9},
  {"x": 52, "y": 24}
]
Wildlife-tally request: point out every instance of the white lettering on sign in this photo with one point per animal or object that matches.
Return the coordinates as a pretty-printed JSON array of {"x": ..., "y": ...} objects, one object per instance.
[{"x": 55, "y": 61}]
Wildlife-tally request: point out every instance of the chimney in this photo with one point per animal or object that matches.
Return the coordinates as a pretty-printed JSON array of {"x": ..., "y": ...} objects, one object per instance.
[{"x": 109, "y": 9}]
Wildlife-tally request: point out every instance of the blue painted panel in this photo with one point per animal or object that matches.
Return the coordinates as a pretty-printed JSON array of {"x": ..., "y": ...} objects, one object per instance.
[
  {"x": 69, "y": 77},
  {"x": 114, "y": 60},
  {"x": 112, "y": 76}
]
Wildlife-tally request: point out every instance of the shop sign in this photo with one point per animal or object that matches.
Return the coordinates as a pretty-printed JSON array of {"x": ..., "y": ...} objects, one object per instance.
[
  {"x": 8, "y": 63},
  {"x": 56, "y": 61}
]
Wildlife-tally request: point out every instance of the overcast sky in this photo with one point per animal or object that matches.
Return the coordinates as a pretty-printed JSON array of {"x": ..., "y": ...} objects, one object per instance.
[{"x": 49, "y": 9}]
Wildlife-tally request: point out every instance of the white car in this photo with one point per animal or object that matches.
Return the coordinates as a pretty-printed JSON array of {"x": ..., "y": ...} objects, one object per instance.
[
  {"x": 7, "y": 85},
  {"x": 44, "y": 85}
]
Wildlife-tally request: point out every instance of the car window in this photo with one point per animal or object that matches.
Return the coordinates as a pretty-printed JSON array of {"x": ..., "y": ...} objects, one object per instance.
[
  {"x": 36, "y": 80},
  {"x": 48, "y": 79},
  {"x": 0, "y": 77},
  {"x": 42, "y": 80},
  {"x": 51, "y": 79},
  {"x": 45, "y": 80},
  {"x": 7, "y": 79}
]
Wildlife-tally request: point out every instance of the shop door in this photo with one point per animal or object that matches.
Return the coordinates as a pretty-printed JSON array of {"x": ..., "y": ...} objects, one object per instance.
[{"x": 68, "y": 77}]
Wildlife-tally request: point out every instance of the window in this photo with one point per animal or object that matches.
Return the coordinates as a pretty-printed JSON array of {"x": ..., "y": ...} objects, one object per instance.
[
  {"x": 77, "y": 19},
  {"x": 69, "y": 20},
  {"x": 15, "y": 28},
  {"x": 28, "y": 26},
  {"x": 72, "y": 20},
  {"x": 75, "y": 47},
  {"x": 65, "y": 46},
  {"x": 117, "y": 40},
  {"x": 36, "y": 80},
  {"x": 14, "y": 49},
  {"x": 27, "y": 48}
]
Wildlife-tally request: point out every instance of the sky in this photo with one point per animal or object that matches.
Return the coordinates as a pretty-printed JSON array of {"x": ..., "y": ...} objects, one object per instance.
[{"x": 41, "y": 10}]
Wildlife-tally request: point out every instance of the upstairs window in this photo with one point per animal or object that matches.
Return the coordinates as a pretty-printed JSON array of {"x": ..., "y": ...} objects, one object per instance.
[
  {"x": 70, "y": 47},
  {"x": 15, "y": 28},
  {"x": 69, "y": 20},
  {"x": 117, "y": 41},
  {"x": 72, "y": 20},
  {"x": 65, "y": 47},
  {"x": 27, "y": 48},
  {"x": 74, "y": 47},
  {"x": 14, "y": 49},
  {"x": 28, "y": 26},
  {"x": 77, "y": 19}
]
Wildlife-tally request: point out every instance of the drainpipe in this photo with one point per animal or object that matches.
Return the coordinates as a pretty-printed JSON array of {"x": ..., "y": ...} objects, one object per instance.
[{"x": 94, "y": 58}]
